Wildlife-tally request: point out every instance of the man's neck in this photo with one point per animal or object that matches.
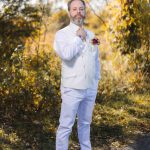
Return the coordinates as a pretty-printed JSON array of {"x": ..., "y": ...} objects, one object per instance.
[{"x": 77, "y": 24}]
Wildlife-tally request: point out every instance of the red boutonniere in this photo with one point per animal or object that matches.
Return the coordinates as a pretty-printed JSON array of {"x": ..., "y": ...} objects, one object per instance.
[{"x": 95, "y": 41}]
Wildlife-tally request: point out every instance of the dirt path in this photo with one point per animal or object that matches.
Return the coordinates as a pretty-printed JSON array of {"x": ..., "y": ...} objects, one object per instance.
[{"x": 142, "y": 142}]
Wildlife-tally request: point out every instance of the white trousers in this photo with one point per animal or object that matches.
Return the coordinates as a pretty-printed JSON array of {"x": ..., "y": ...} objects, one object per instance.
[{"x": 80, "y": 103}]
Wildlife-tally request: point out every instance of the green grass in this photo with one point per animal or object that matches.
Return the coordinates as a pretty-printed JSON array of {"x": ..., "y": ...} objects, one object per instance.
[{"x": 115, "y": 123}]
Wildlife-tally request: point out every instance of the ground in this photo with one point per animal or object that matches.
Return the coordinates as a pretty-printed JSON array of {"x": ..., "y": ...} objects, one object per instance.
[{"x": 120, "y": 124}]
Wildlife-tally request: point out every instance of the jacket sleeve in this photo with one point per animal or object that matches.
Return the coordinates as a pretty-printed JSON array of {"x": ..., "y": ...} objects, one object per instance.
[{"x": 66, "y": 50}]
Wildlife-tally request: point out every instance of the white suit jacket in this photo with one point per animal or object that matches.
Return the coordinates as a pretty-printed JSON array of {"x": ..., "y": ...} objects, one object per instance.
[{"x": 80, "y": 60}]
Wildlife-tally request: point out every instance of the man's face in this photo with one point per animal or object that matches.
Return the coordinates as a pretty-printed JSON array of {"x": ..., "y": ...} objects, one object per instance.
[{"x": 77, "y": 12}]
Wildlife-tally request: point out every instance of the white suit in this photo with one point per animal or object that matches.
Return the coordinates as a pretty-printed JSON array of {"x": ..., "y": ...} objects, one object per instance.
[{"x": 80, "y": 73}]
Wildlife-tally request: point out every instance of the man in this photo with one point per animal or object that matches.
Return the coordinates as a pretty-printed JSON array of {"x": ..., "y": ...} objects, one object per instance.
[{"x": 79, "y": 77}]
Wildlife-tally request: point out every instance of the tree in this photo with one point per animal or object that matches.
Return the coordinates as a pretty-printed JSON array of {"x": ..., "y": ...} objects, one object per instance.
[
  {"x": 18, "y": 21},
  {"x": 125, "y": 26},
  {"x": 128, "y": 30}
]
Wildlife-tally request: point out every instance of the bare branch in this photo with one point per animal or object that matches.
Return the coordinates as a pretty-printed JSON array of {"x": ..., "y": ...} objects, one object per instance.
[
  {"x": 106, "y": 2},
  {"x": 96, "y": 13}
]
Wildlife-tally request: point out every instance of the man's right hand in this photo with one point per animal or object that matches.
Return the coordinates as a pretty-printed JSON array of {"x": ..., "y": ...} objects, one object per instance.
[{"x": 81, "y": 33}]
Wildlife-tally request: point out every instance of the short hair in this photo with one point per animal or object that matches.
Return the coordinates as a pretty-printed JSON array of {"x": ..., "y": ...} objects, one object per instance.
[{"x": 69, "y": 3}]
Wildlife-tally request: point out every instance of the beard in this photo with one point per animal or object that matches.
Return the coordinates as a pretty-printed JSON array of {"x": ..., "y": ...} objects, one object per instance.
[{"x": 77, "y": 19}]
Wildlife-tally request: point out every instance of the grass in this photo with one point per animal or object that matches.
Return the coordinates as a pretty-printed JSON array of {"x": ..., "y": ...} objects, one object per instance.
[
  {"x": 121, "y": 120},
  {"x": 116, "y": 122}
]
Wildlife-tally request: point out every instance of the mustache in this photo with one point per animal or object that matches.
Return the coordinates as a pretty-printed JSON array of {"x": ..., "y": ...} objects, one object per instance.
[{"x": 80, "y": 15}]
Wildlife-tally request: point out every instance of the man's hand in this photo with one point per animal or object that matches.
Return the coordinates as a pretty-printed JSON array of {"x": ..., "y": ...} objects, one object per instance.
[{"x": 81, "y": 33}]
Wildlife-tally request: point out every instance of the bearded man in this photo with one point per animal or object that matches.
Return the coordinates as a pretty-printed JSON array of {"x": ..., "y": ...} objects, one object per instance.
[{"x": 80, "y": 74}]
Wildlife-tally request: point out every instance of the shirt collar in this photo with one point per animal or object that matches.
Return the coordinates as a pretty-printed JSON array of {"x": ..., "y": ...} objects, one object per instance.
[{"x": 73, "y": 27}]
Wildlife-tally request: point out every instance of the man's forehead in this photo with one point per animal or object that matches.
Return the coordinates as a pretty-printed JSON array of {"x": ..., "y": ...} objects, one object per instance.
[{"x": 76, "y": 3}]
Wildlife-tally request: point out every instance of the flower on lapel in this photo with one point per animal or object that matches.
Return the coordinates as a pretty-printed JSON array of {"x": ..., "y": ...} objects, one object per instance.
[{"x": 95, "y": 41}]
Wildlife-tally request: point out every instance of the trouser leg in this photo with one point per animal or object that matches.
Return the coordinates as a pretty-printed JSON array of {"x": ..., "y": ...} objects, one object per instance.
[
  {"x": 68, "y": 113},
  {"x": 85, "y": 111}
]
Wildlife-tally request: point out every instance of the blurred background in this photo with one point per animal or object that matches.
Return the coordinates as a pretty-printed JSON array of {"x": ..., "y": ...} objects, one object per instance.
[{"x": 30, "y": 74}]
